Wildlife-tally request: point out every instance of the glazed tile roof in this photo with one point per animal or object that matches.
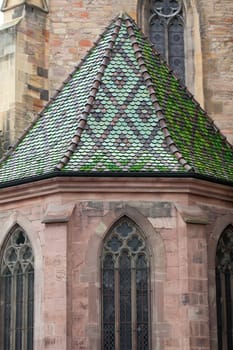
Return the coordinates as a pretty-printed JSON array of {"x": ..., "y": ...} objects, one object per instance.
[{"x": 121, "y": 111}]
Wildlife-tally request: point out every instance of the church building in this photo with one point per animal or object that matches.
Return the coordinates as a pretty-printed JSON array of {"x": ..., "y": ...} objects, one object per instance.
[{"x": 116, "y": 176}]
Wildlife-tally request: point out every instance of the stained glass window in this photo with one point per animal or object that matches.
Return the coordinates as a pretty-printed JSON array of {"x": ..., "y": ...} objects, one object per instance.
[
  {"x": 224, "y": 289},
  {"x": 125, "y": 289},
  {"x": 17, "y": 292},
  {"x": 166, "y": 23}
]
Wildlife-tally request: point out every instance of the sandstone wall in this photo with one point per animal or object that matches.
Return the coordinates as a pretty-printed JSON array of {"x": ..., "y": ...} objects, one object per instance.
[
  {"x": 74, "y": 26},
  {"x": 217, "y": 50},
  {"x": 24, "y": 73},
  {"x": 67, "y": 232}
]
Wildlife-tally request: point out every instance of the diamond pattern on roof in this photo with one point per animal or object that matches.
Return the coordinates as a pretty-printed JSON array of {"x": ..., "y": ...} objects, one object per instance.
[
  {"x": 193, "y": 132},
  {"x": 122, "y": 125},
  {"x": 121, "y": 111}
]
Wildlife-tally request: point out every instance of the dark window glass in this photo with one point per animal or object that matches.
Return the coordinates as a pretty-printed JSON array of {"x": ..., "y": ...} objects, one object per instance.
[
  {"x": 108, "y": 303},
  {"x": 224, "y": 290},
  {"x": 30, "y": 306},
  {"x": 17, "y": 293},
  {"x": 125, "y": 289},
  {"x": 167, "y": 33},
  {"x": 6, "y": 308},
  {"x": 142, "y": 302},
  {"x": 125, "y": 302}
]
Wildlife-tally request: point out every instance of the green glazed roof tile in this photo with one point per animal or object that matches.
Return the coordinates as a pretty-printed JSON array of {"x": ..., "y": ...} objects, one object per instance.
[{"x": 121, "y": 111}]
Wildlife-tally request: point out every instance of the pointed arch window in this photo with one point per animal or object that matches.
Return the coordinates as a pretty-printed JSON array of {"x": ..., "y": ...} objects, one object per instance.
[
  {"x": 125, "y": 289},
  {"x": 166, "y": 31},
  {"x": 17, "y": 292},
  {"x": 224, "y": 289}
]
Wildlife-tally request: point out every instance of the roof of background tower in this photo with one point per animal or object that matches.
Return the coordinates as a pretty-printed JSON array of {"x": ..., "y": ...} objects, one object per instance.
[{"x": 121, "y": 112}]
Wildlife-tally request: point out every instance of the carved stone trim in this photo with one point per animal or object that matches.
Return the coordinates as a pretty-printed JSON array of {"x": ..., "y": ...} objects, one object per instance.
[
  {"x": 10, "y": 4},
  {"x": 18, "y": 251},
  {"x": 58, "y": 213},
  {"x": 193, "y": 214}
]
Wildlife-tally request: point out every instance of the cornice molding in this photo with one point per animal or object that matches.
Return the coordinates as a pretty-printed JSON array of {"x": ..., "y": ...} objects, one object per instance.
[{"x": 100, "y": 186}]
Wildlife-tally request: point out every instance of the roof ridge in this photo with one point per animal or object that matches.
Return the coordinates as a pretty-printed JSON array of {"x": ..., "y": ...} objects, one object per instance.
[
  {"x": 90, "y": 100},
  {"x": 158, "y": 109}
]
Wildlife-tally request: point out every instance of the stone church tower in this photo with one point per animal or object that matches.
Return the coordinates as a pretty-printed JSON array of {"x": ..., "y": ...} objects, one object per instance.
[{"x": 41, "y": 43}]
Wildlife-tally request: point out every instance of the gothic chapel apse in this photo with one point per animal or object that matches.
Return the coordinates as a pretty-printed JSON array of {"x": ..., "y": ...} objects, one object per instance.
[{"x": 116, "y": 175}]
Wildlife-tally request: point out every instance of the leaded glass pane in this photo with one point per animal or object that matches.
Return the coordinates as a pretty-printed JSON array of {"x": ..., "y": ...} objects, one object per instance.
[
  {"x": 19, "y": 308},
  {"x": 18, "y": 238},
  {"x": 135, "y": 244},
  {"x": 30, "y": 308},
  {"x": 228, "y": 307},
  {"x": 167, "y": 33},
  {"x": 224, "y": 290},
  {"x": 108, "y": 303},
  {"x": 125, "y": 302},
  {"x": 142, "y": 303},
  {"x": 176, "y": 47},
  {"x": 219, "y": 308},
  {"x": 124, "y": 229},
  {"x": 157, "y": 35},
  {"x": 7, "y": 286},
  {"x": 125, "y": 294},
  {"x": 114, "y": 244},
  {"x": 17, "y": 292},
  {"x": 166, "y": 8},
  {"x": 12, "y": 255}
]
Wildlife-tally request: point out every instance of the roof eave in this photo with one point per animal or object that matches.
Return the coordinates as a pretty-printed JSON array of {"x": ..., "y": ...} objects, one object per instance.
[{"x": 168, "y": 174}]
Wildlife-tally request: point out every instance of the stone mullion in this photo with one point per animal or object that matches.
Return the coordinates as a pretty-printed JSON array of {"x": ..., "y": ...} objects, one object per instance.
[{"x": 166, "y": 42}]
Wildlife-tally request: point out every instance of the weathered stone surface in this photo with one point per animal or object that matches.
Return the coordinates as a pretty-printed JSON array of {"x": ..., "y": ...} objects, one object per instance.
[
  {"x": 23, "y": 68},
  {"x": 193, "y": 214},
  {"x": 68, "y": 249}
]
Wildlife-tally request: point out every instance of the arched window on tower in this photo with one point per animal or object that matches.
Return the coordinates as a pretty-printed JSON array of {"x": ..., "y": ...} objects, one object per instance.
[
  {"x": 224, "y": 289},
  {"x": 166, "y": 31},
  {"x": 125, "y": 289},
  {"x": 17, "y": 292}
]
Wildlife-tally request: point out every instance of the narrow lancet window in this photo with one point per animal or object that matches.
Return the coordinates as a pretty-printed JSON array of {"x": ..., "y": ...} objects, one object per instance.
[
  {"x": 166, "y": 30},
  {"x": 17, "y": 292},
  {"x": 125, "y": 289},
  {"x": 224, "y": 289}
]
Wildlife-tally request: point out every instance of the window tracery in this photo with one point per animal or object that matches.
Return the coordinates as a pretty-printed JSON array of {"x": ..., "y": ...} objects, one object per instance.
[
  {"x": 166, "y": 23},
  {"x": 17, "y": 292},
  {"x": 125, "y": 289},
  {"x": 224, "y": 289}
]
